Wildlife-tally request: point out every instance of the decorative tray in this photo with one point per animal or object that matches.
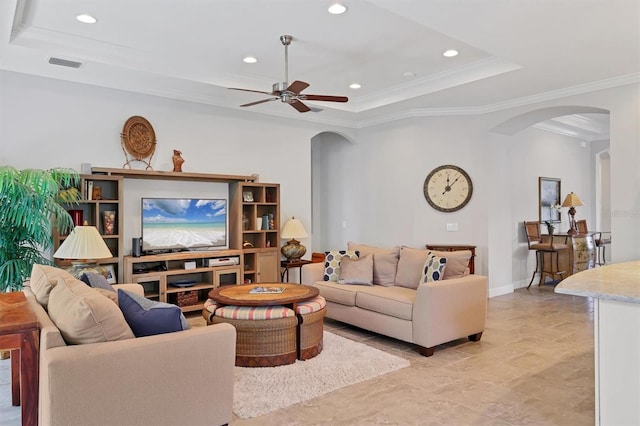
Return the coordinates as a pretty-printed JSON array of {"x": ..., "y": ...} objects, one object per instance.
[
  {"x": 183, "y": 283},
  {"x": 138, "y": 137}
]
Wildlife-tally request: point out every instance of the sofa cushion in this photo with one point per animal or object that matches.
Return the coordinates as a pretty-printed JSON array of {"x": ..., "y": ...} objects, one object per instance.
[
  {"x": 344, "y": 294},
  {"x": 356, "y": 271},
  {"x": 332, "y": 263},
  {"x": 434, "y": 269},
  {"x": 457, "y": 262},
  {"x": 148, "y": 317},
  {"x": 256, "y": 313},
  {"x": 96, "y": 281},
  {"x": 393, "y": 301},
  {"x": 385, "y": 262},
  {"x": 43, "y": 279},
  {"x": 85, "y": 316},
  {"x": 410, "y": 266}
]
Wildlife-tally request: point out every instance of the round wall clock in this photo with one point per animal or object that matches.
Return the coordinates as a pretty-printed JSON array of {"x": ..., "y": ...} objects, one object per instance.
[{"x": 448, "y": 188}]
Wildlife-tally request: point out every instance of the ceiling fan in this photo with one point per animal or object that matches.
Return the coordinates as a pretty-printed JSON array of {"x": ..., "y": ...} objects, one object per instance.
[{"x": 290, "y": 93}]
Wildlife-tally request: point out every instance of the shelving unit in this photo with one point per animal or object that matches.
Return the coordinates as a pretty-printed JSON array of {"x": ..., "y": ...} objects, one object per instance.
[
  {"x": 260, "y": 257},
  {"x": 161, "y": 274},
  {"x": 92, "y": 212},
  {"x": 255, "y": 227}
]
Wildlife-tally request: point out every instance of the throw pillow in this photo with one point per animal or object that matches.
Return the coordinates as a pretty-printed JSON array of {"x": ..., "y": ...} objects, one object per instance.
[
  {"x": 43, "y": 279},
  {"x": 385, "y": 262},
  {"x": 84, "y": 316},
  {"x": 356, "y": 271},
  {"x": 96, "y": 281},
  {"x": 434, "y": 268},
  {"x": 410, "y": 266},
  {"x": 148, "y": 317},
  {"x": 332, "y": 263},
  {"x": 457, "y": 262}
]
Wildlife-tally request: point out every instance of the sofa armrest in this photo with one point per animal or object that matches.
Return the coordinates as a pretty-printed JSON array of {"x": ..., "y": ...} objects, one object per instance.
[
  {"x": 132, "y": 288},
  {"x": 175, "y": 378},
  {"x": 311, "y": 273},
  {"x": 449, "y": 309}
]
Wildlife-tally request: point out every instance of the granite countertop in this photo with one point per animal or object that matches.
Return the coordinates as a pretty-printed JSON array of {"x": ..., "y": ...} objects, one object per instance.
[{"x": 618, "y": 281}]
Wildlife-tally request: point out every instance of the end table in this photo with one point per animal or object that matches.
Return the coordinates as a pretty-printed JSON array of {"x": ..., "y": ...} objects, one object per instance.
[
  {"x": 285, "y": 265},
  {"x": 19, "y": 332}
]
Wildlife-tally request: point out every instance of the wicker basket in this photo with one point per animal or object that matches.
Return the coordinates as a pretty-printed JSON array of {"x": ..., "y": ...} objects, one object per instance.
[
  {"x": 264, "y": 343},
  {"x": 187, "y": 298},
  {"x": 311, "y": 331}
]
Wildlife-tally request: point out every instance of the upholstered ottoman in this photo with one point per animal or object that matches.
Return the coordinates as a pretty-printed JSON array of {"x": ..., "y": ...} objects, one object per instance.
[
  {"x": 265, "y": 335},
  {"x": 310, "y": 327}
]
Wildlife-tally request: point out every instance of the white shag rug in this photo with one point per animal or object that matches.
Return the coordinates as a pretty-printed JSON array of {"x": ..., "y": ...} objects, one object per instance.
[{"x": 341, "y": 363}]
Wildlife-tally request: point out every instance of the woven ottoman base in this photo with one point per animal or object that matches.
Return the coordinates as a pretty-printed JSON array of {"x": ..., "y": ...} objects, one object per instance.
[
  {"x": 311, "y": 334},
  {"x": 264, "y": 343}
]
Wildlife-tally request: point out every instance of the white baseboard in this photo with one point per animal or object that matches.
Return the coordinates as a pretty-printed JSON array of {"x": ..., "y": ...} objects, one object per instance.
[{"x": 499, "y": 291}]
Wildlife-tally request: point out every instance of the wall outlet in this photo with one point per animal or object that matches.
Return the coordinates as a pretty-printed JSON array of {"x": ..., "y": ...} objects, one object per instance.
[{"x": 452, "y": 227}]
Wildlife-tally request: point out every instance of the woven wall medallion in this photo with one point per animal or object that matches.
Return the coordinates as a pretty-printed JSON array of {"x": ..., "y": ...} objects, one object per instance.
[{"x": 139, "y": 141}]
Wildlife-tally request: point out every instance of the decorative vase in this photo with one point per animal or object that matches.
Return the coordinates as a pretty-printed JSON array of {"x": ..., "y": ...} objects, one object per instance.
[{"x": 550, "y": 229}]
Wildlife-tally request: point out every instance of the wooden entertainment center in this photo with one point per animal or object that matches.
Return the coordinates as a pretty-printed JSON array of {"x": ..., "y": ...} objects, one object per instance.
[{"x": 185, "y": 278}]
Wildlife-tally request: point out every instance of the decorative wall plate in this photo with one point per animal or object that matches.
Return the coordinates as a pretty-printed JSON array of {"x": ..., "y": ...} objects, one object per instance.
[{"x": 139, "y": 140}]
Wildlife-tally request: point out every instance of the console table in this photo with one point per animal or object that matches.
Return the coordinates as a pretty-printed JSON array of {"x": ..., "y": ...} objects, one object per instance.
[{"x": 19, "y": 332}]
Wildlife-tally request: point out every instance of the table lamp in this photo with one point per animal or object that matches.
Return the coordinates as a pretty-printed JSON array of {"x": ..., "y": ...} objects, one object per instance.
[
  {"x": 293, "y": 250},
  {"x": 572, "y": 200},
  {"x": 83, "y": 247}
]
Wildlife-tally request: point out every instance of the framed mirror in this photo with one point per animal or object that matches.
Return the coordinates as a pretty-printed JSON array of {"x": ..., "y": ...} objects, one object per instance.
[{"x": 549, "y": 199}]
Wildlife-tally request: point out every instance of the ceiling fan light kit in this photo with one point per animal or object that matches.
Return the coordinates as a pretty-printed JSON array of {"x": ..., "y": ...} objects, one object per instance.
[{"x": 290, "y": 93}]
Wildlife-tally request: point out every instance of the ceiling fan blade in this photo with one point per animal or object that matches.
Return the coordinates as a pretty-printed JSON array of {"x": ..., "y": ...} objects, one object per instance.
[
  {"x": 248, "y": 90},
  {"x": 300, "y": 106},
  {"x": 297, "y": 87},
  {"x": 259, "y": 102},
  {"x": 325, "y": 98}
]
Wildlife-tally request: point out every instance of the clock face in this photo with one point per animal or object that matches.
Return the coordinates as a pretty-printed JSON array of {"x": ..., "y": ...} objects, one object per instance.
[{"x": 448, "y": 188}]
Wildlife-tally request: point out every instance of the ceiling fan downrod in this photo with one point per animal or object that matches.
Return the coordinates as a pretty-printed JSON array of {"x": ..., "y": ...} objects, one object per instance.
[{"x": 280, "y": 88}]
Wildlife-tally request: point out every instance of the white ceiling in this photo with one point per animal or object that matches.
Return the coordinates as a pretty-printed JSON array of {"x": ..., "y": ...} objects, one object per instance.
[{"x": 511, "y": 52}]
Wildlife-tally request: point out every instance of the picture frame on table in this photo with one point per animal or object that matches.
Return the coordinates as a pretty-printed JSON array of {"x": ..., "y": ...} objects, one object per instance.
[
  {"x": 247, "y": 197},
  {"x": 111, "y": 274},
  {"x": 549, "y": 199}
]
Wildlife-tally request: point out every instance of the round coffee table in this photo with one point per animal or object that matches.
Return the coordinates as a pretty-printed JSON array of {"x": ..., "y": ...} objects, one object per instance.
[
  {"x": 240, "y": 295},
  {"x": 264, "y": 342}
]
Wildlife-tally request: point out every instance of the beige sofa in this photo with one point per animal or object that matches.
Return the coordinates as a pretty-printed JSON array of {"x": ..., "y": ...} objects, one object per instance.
[
  {"x": 176, "y": 378},
  {"x": 428, "y": 315}
]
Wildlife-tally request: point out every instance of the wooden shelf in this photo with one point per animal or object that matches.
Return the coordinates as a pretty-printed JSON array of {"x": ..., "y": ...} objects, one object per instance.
[{"x": 153, "y": 174}]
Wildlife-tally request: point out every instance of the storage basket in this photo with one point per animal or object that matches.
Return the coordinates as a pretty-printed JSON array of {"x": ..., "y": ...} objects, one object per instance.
[{"x": 187, "y": 298}]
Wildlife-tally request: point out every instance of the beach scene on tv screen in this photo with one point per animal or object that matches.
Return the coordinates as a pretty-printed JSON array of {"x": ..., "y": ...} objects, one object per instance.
[{"x": 183, "y": 223}]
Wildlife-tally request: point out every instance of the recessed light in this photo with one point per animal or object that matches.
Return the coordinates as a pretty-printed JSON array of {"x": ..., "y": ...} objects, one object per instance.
[
  {"x": 450, "y": 53},
  {"x": 355, "y": 86},
  {"x": 408, "y": 74},
  {"x": 87, "y": 19},
  {"x": 250, "y": 60},
  {"x": 337, "y": 9}
]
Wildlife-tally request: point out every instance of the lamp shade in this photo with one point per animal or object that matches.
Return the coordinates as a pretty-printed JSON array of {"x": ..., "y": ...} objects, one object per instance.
[
  {"x": 293, "y": 229},
  {"x": 85, "y": 243},
  {"x": 572, "y": 200}
]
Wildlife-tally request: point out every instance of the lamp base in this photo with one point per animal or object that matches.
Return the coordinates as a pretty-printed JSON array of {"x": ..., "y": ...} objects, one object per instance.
[
  {"x": 293, "y": 250},
  {"x": 78, "y": 268}
]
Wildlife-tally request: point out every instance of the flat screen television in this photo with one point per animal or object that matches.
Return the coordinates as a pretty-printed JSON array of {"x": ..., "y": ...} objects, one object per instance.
[{"x": 176, "y": 224}]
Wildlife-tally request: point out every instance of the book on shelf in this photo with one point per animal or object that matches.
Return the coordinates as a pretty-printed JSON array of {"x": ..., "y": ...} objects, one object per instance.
[{"x": 266, "y": 290}]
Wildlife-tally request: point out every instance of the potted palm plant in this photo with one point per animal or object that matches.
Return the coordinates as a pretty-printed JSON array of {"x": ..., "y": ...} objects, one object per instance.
[{"x": 30, "y": 209}]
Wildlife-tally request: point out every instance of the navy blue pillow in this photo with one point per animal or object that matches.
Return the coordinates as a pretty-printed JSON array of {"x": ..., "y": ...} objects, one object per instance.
[{"x": 147, "y": 317}]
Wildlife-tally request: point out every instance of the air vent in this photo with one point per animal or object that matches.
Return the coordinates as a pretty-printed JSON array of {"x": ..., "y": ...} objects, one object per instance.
[{"x": 64, "y": 63}]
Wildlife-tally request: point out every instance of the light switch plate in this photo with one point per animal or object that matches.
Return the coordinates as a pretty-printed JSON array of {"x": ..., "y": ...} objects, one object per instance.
[{"x": 452, "y": 227}]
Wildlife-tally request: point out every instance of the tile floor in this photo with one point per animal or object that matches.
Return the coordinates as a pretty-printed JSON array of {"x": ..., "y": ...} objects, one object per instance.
[{"x": 533, "y": 366}]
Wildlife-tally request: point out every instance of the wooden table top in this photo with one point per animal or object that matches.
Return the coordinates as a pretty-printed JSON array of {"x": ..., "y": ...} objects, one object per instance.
[
  {"x": 239, "y": 294},
  {"x": 15, "y": 313}
]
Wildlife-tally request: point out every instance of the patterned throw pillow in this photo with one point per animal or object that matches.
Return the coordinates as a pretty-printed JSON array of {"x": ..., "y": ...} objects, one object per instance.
[
  {"x": 332, "y": 263},
  {"x": 433, "y": 269}
]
